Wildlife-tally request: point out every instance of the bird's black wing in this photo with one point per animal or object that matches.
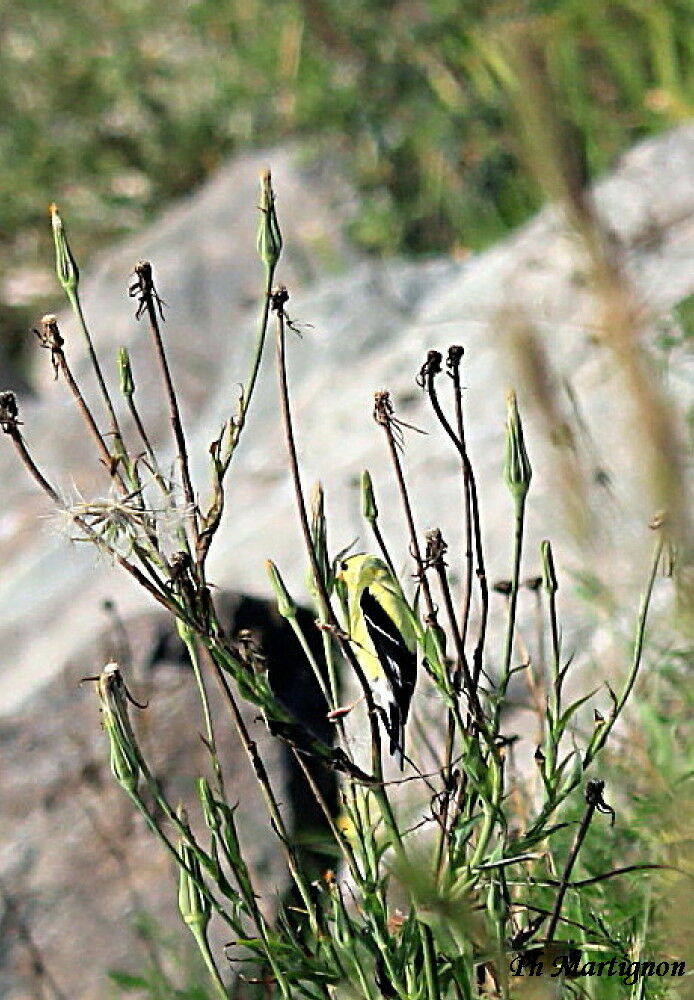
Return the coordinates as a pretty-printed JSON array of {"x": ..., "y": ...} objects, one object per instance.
[
  {"x": 399, "y": 666},
  {"x": 399, "y": 663}
]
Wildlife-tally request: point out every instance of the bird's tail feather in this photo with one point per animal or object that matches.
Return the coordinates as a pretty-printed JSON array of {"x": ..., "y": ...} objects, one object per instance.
[{"x": 396, "y": 731}]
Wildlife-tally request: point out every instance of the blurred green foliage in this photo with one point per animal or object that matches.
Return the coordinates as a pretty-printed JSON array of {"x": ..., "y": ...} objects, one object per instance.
[{"x": 114, "y": 109}]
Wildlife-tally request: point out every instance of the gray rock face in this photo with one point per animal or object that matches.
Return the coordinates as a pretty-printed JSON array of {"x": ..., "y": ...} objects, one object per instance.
[{"x": 371, "y": 324}]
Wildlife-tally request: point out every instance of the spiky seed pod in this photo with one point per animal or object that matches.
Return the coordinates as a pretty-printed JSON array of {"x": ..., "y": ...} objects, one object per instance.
[{"x": 517, "y": 469}]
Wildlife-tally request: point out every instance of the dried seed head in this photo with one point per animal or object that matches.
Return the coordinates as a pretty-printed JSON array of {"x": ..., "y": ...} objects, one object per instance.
[
  {"x": 369, "y": 509},
  {"x": 269, "y": 235},
  {"x": 454, "y": 358},
  {"x": 143, "y": 270},
  {"x": 125, "y": 375},
  {"x": 49, "y": 335},
  {"x": 9, "y": 411},
  {"x": 286, "y": 604},
  {"x": 383, "y": 408},
  {"x": 436, "y": 548},
  {"x": 430, "y": 369},
  {"x": 279, "y": 298},
  {"x": 49, "y": 323},
  {"x": 65, "y": 264},
  {"x": 517, "y": 469}
]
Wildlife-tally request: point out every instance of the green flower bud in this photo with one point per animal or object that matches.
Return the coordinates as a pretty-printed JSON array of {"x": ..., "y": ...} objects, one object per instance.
[
  {"x": 125, "y": 374},
  {"x": 123, "y": 756},
  {"x": 193, "y": 904},
  {"x": 319, "y": 537},
  {"x": 65, "y": 264},
  {"x": 269, "y": 235},
  {"x": 495, "y": 902},
  {"x": 369, "y": 509},
  {"x": 124, "y": 767},
  {"x": 209, "y": 806},
  {"x": 517, "y": 470},
  {"x": 549, "y": 577},
  {"x": 286, "y": 604},
  {"x": 185, "y": 632},
  {"x": 435, "y": 648}
]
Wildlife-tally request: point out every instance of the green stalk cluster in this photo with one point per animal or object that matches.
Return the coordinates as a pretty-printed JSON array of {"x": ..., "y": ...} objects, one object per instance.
[{"x": 397, "y": 920}]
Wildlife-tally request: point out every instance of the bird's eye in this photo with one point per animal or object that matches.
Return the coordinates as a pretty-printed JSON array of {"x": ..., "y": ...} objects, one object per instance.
[{"x": 343, "y": 566}]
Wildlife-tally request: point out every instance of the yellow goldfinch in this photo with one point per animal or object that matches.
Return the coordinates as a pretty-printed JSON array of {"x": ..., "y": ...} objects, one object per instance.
[{"x": 382, "y": 631}]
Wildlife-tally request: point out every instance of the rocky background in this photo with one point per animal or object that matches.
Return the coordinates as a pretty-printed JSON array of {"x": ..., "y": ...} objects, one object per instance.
[{"x": 75, "y": 866}]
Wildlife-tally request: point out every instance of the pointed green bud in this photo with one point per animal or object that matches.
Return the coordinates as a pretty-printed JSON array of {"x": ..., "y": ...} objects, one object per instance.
[
  {"x": 125, "y": 373},
  {"x": 549, "y": 577},
  {"x": 269, "y": 235},
  {"x": 123, "y": 756},
  {"x": 209, "y": 806},
  {"x": 435, "y": 648},
  {"x": 65, "y": 264},
  {"x": 319, "y": 537},
  {"x": 185, "y": 632},
  {"x": 286, "y": 605},
  {"x": 369, "y": 509},
  {"x": 495, "y": 902},
  {"x": 517, "y": 470},
  {"x": 193, "y": 904}
]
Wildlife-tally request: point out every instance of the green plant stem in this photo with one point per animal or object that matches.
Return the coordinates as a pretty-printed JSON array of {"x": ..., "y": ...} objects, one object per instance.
[
  {"x": 466, "y": 600},
  {"x": 214, "y": 515},
  {"x": 512, "y": 605},
  {"x": 637, "y": 655},
  {"x": 341, "y": 841},
  {"x": 263, "y": 780},
  {"x": 430, "y": 970},
  {"x": 555, "y": 693},
  {"x": 326, "y": 612},
  {"x": 89, "y": 420},
  {"x": 249, "y": 387},
  {"x": 204, "y": 948},
  {"x": 249, "y": 896},
  {"x": 383, "y": 548},
  {"x": 568, "y": 867},
  {"x": 490, "y": 810},
  {"x": 76, "y": 305},
  {"x": 458, "y": 441},
  {"x": 149, "y": 449},
  {"x": 602, "y": 735},
  {"x": 164, "y": 840},
  {"x": 409, "y": 517},
  {"x": 189, "y": 642},
  {"x": 313, "y": 663},
  {"x": 175, "y": 419},
  {"x": 462, "y": 665}
]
